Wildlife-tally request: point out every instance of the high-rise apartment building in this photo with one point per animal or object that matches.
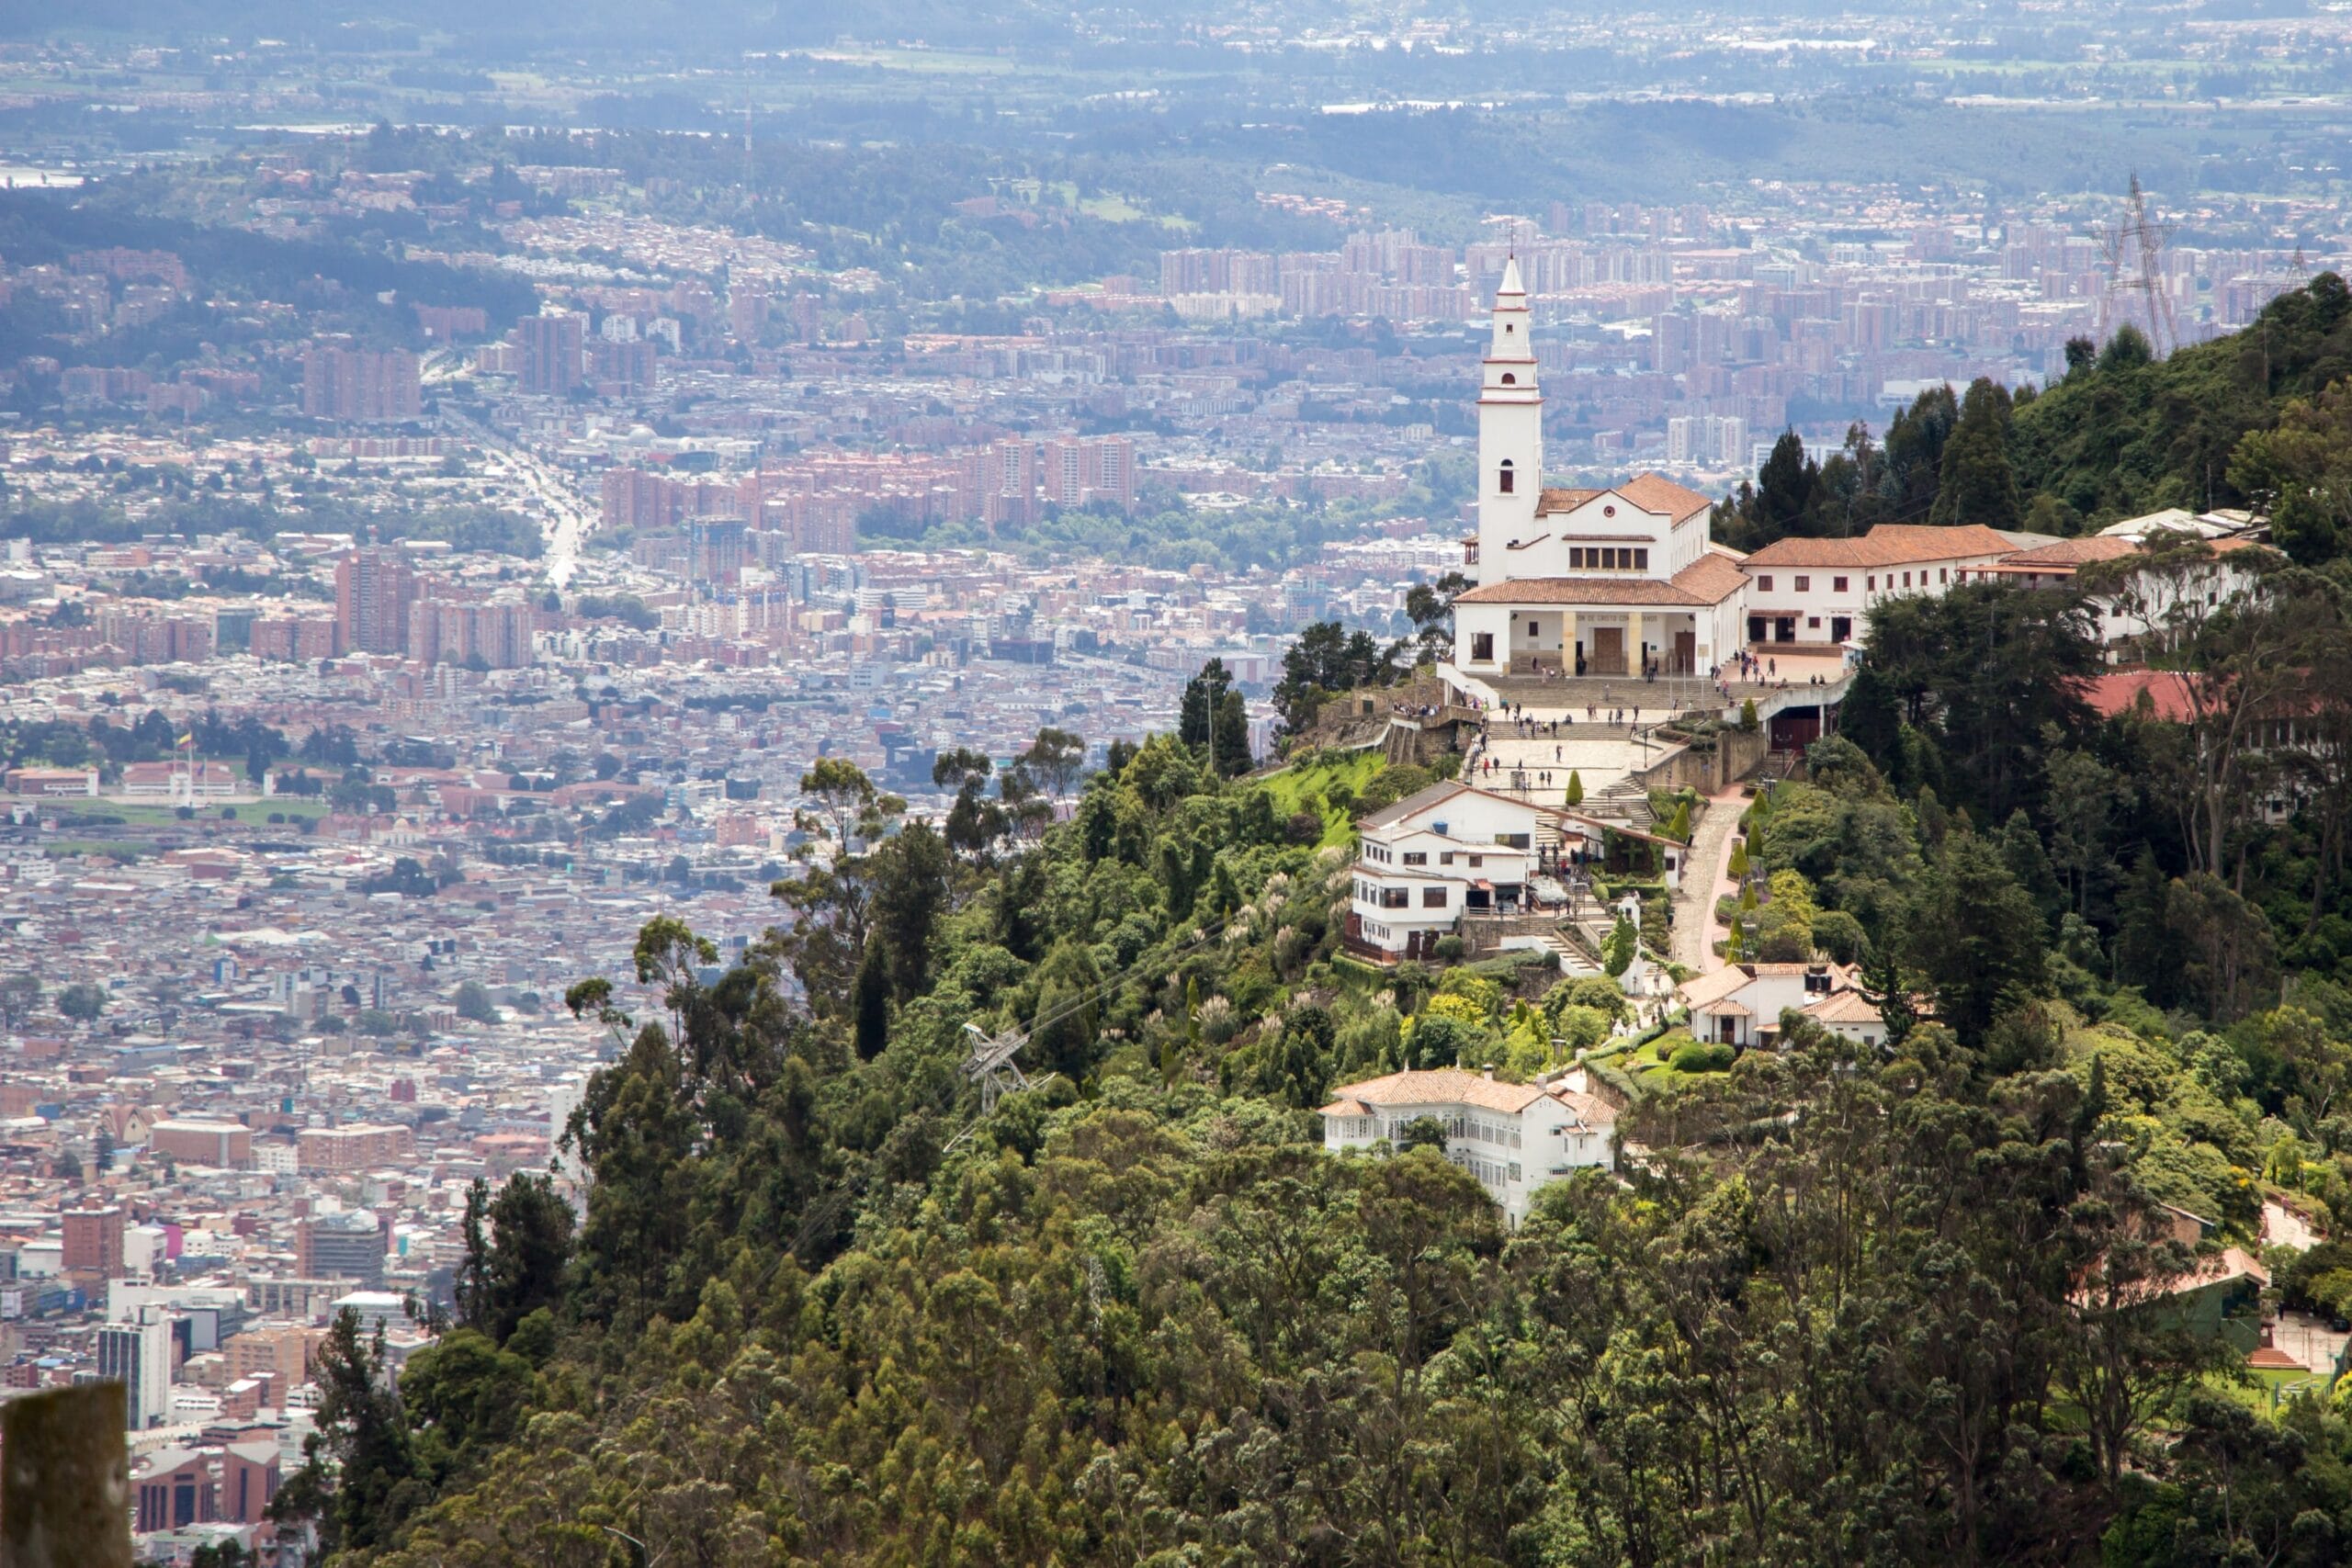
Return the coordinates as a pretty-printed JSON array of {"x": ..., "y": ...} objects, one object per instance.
[
  {"x": 361, "y": 384},
  {"x": 373, "y": 590},
  {"x": 1008, "y": 483},
  {"x": 139, "y": 1356},
  {"x": 552, "y": 348},
  {"x": 1079, "y": 471}
]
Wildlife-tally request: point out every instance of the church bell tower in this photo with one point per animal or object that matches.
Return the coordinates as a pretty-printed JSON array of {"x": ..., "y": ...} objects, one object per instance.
[{"x": 1510, "y": 432}]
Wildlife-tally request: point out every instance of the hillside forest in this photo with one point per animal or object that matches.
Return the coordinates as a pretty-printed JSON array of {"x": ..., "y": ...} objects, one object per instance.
[{"x": 1848, "y": 1306}]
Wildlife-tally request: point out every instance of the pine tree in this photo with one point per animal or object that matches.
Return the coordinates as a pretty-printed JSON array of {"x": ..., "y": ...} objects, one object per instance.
[
  {"x": 1229, "y": 740},
  {"x": 1576, "y": 787},
  {"x": 1975, "y": 483},
  {"x": 872, "y": 1007}
]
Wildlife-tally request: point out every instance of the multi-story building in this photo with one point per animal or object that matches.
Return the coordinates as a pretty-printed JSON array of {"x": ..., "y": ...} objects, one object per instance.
[
  {"x": 94, "y": 1241},
  {"x": 232, "y": 1483},
  {"x": 358, "y": 1146},
  {"x": 361, "y": 384},
  {"x": 346, "y": 1245},
  {"x": 1514, "y": 1138},
  {"x": 1625, "y": 581},
  {"x": 139, "y": 1356},
  {"x": 226, "y": 1145},
  {"x": 1079, "y": 471},
  {"x": 551, "y": 352},
  {"x": 1450, "y": 850},
  {"x": 373, "y": 590}
]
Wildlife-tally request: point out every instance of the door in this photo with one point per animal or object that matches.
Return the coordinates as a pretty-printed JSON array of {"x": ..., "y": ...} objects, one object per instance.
[
  {"x": 1784, "y": 628},
  {"x": 1755, "y": 628},
  {"x": 1609, "y": 650},
  {"x": 1841, "y": 628},
  {"x": 1686, "y": 652}
]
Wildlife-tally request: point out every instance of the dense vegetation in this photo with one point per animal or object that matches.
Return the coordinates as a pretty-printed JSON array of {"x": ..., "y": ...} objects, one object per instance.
[
  {"x": 2258, "y": 418},
  {"x": 1854, "y": 1306},
  {"x": 1890, "y": 1305}
]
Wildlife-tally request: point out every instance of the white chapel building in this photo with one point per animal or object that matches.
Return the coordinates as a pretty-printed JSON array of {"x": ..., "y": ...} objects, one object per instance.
[{"x": 1625, "y": 581}]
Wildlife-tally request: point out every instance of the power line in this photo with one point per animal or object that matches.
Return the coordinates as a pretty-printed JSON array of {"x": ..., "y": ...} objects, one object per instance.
[{"x": 999, "y": 1050}]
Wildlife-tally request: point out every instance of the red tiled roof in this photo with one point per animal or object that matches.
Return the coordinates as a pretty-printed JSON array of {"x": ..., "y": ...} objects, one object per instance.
[
  {"x": 1655, "y": 492},
  {"x": 1712, "y": 577},
  {"x": 2167, "y": 693},
  {"x": 1637, "y": 591},
  {"x": 1651, "y": 492},
  {"x": 1889, "y": 544}
]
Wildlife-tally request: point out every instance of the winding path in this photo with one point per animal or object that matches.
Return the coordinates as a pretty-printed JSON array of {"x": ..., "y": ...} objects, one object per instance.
[{"x": 1695, "y": 930}]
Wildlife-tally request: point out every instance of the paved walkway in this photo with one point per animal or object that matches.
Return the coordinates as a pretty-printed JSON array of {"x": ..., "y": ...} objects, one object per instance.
[{"x": 1695, "y": 929}]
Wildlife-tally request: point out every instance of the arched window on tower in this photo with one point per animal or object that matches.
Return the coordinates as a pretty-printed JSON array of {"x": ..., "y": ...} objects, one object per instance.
[
  {"x": 1505, "y": 479},
  {"x": 1509, "y": 379}
]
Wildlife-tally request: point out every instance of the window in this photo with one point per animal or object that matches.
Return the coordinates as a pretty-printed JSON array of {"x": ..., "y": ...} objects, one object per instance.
[
  {"x": 1764, "y": 585},
  {"x": 1907, "y": 579},
  {"x": 1837, "y": 585},
  {"x": 1943, "y": 574},
  {"x": 1482, "y": 647},
  {"x": 1445, "y": 857},
  {"x": 1870, "y": 584},
  {"x": 1576, "y": 557},
  {"x": 1509, "y": 379},
  {"x": 1432, "y": 898},
  {"x": 1393, "y": 899},
  {"x": 1514, "y": 1171},
  {"x": 1506, "y": 478},
  {"x": 1416, "y": 857},
  {"x": 1642, "y": 560},
  {"x": 1475, "y": 861},
  {"x": 1805, "y": 585},
  {"x": 1812, "y": 623}
]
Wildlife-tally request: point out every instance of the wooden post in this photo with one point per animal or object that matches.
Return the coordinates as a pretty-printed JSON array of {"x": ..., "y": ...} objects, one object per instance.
[{"x": 65, "y": 1480}]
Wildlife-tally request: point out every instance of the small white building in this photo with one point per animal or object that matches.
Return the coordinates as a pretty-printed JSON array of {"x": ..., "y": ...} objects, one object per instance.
[
  {"x": 1821, "y": 590},
  {"x": 1515, "y": 1138},
  {"x": 1741, "y": 1004},
  {"x": 1443, "y": 851}
]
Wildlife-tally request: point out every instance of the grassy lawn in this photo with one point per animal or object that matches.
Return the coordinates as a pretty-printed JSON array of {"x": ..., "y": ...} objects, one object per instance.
[
  {"x": 1291, "y": 787},
  {"x": 130, "y": 815}
]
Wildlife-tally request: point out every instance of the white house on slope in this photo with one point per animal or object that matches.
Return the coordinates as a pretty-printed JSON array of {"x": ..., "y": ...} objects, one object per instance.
[
  {"x": 1741, "y": 1004},
  {"x": 1515, "y": 1138},
  {"x": 1443, "y": 851}
]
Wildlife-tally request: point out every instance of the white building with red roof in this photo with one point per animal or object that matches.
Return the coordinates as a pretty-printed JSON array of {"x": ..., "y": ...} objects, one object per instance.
[
  {"x": 1515, "y": 1138},
  {"x": 1625, "y": 579}
]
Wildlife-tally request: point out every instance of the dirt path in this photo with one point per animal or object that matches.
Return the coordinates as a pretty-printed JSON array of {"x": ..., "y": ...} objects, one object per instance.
[{"x": 1705, "y": 876}]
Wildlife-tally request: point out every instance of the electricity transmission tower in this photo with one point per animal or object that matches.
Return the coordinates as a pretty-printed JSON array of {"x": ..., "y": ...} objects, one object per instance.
[
  {"x": 992, "y": 1065},
  {"x": 2132, "y": 248}
]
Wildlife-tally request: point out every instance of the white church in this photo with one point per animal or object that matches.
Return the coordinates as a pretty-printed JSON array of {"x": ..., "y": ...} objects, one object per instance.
[{"x": 1624, "y": 581}]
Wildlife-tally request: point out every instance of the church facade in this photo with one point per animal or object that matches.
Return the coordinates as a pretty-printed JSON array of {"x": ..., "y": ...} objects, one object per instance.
[{"x": 1624, "y": 581}]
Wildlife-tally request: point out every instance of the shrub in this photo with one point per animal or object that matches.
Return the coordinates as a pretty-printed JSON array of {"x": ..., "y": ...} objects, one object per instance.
[
  {"x": 1747, "y": 719},
  {"x": 1701, "y": 1057}
]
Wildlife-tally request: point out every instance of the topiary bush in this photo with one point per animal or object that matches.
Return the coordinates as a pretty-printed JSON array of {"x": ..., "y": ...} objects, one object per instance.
[{"x": 1699, "y": 1057}]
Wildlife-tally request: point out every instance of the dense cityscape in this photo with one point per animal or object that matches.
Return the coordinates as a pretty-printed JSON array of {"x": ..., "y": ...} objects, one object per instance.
[{"x": 598, "y": 644}]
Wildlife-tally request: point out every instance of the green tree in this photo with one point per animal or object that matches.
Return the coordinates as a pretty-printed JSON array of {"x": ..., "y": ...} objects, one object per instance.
[
  {"x": 82, "y": 1001},
  {"x": 473, "y": 1003},
  {"x": 1976, "y": 937},
  {"x": 358, "y": 1480},
  {"x": 1977, "y": 484}
]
